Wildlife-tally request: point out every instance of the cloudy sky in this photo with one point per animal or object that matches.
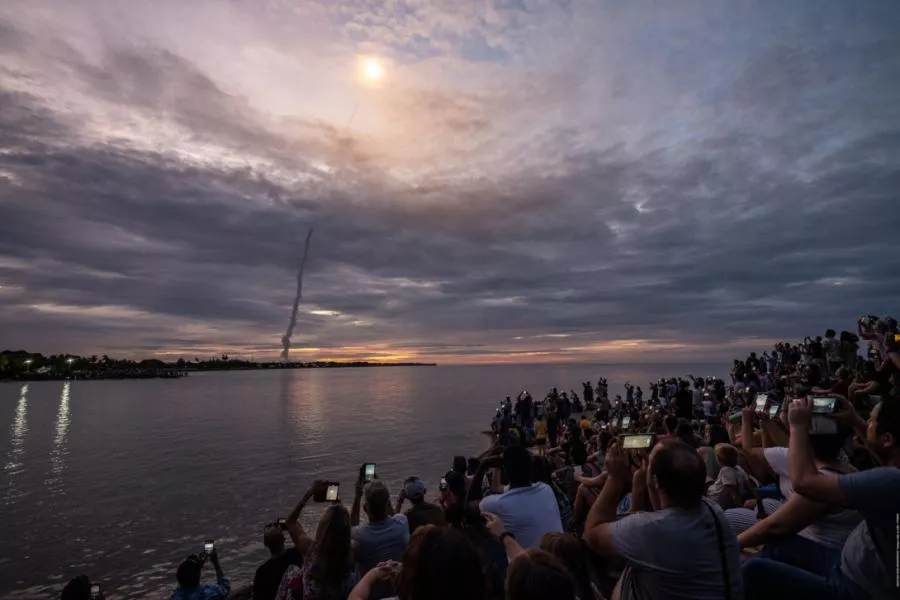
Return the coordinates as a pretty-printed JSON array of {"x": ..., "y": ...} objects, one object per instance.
[{"x": 527, "y": 180}]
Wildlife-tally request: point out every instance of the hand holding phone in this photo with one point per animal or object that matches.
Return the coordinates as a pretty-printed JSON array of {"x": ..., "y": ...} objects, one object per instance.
[
  {"x": 368, "y": 472},
  {"x": 331, "y": 493}
]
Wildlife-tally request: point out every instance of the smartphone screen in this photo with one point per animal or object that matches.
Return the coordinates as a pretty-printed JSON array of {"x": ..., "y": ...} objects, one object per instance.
[
  {"x": 443, "y": 484},
  {"x": 282, "y": 523},
  {"x": 369, "y": 472},
  {"x": 331, "y": 495},
  {"x": 824, "y": 405},
  {"x": 773, "y": 411},
  {"x": 637, "y": 442},
  {"x": 761, "y": 401},
  {"x": 626, "y": 422},
  {"x": 209, "y": 546},
  {"x": 95, "y": 590}
]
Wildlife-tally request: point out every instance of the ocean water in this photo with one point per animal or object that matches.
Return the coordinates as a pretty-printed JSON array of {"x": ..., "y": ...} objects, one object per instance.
[{"x": 120, "y": 480}]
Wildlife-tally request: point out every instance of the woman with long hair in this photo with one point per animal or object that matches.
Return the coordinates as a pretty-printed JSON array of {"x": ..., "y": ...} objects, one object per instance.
[
  {"x": 440, "y": 563},
  {"x": 574, "y": 554},
  {"x": 327, "y": 572},
  {"x": 538, "y": 575}
]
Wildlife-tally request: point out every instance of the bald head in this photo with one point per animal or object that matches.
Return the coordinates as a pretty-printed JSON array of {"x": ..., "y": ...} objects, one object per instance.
[{"x": 679, "y": 472}]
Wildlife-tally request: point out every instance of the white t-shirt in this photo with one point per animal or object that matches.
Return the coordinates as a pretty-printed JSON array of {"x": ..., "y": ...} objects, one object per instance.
[
  {"x": 526, "y": 512},
  {"x": 728, "y": 476},
  {"x": 831, "y": 530}
]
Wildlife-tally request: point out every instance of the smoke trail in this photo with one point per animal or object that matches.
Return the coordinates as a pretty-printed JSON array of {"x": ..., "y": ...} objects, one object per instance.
[{"x": 286, "y": 338}]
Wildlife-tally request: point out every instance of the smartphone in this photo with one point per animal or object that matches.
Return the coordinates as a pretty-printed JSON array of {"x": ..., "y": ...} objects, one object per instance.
[
  {"x": 626, "y": 422},
  {"x": 282, "y": 523},
  {"x": 368, "y": 472},
  {"x": 773, "y": 411},
  {"x": 95, "y": 591},
  {"x": 824, "y": 405},
  {"x": 637, "y": 442},
  {"x": 444, "y": 486},
  {"x": 331, "y": 494},
  {"x": 822, "y": 426},
  {"x": 761, "y": 401},
  {"x": 209, "y": 546}
]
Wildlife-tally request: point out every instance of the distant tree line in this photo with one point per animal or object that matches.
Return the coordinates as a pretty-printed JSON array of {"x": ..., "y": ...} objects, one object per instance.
[{"x": 18, "y": 363}]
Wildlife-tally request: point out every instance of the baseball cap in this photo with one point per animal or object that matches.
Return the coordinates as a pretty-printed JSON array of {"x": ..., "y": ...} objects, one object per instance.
[{"x": 414, "y": 488}]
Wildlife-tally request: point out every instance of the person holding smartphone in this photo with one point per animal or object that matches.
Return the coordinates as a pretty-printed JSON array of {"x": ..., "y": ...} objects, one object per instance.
[
  {"x": 421, "y": 512},
  {"x": 384, "y": 537},
  {"x": 269, "y": 574},
  {"x": 188, "y": 577},
  {"x": 868, "y": 563}
]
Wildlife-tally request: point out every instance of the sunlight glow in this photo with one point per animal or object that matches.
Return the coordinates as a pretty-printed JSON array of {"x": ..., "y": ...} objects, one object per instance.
[{"x": 372, "y": 70}]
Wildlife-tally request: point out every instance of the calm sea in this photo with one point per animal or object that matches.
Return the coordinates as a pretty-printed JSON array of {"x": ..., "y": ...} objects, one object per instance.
[{"x": 121, "y": 479}]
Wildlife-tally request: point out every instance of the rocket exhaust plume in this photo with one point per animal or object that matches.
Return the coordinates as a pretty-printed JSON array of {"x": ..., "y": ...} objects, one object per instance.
[{"x": 286, "y": 338}]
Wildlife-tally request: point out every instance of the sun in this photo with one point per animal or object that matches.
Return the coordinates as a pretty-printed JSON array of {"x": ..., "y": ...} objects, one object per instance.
[{"x": 372, "y": 70}]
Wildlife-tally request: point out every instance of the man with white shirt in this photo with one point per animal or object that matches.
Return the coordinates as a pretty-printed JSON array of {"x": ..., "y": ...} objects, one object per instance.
[{"x": 527, "y": 510}]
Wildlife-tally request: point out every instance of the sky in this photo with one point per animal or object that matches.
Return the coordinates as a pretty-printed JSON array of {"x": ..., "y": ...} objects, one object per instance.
[{"x": 527, "y": 180}]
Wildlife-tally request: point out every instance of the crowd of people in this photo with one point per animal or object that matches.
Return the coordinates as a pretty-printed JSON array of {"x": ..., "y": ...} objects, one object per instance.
[{"x": 784, "y": 482}]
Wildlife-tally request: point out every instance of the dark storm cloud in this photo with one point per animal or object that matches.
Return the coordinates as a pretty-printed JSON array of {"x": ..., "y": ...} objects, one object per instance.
[{"x": 769, "y": 231}]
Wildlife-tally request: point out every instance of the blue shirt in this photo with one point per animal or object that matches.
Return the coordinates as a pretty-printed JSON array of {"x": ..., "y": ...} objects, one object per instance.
[{"x": 205, "y": 592}]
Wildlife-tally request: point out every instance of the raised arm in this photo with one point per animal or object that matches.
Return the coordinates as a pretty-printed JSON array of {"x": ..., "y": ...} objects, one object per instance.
[
  {"x": 596, "y": 481},
  {"x": 510, "y": 544},
  {"x": 222, "y": 584},
  {"x": 474, "y": 493},
  {"x": 805, "y": 477},
  {"x": 357, "y": 503},
  {"x": 299, "y": 537},
  {"x": 597, "y": 530},
  {"x": 791, "y": 517}
]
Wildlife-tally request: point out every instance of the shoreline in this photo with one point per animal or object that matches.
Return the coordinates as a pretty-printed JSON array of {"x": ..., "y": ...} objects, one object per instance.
[{"x": 175, "y": 373}]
